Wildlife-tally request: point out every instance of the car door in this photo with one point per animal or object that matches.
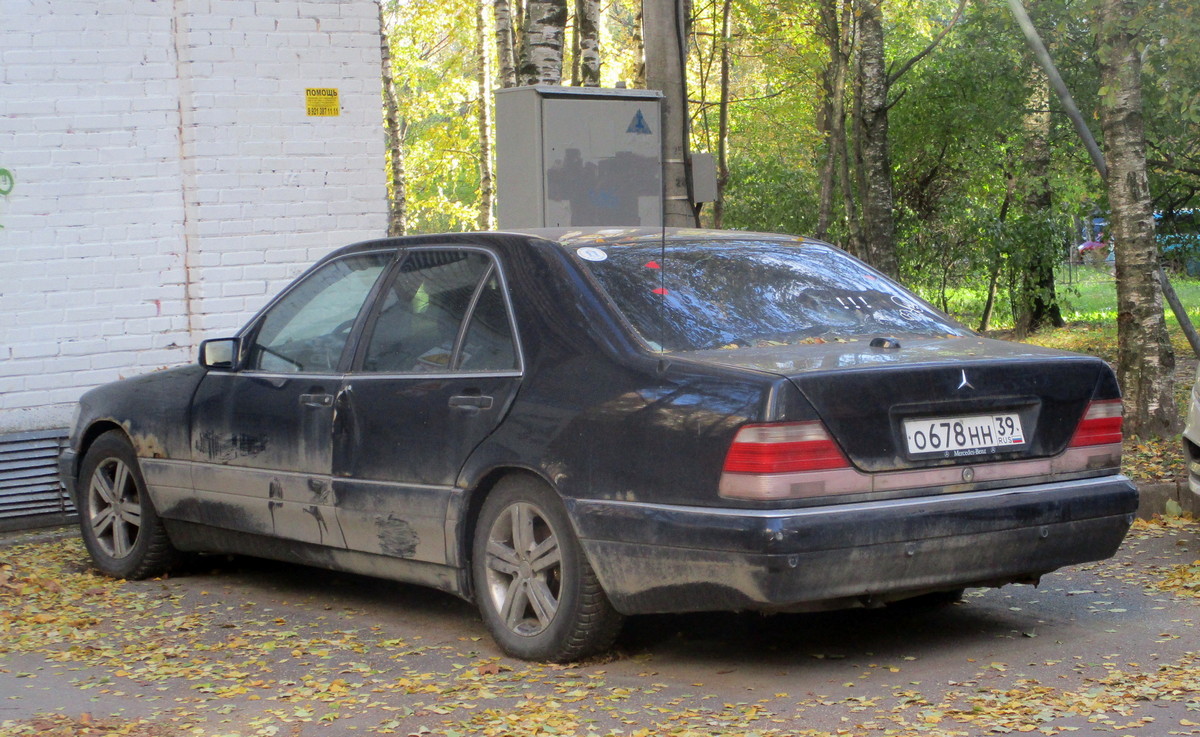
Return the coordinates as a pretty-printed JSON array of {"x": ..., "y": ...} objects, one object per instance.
[
  {"x": 436, "y": 370},
  {"x": 262, "y": 435}
]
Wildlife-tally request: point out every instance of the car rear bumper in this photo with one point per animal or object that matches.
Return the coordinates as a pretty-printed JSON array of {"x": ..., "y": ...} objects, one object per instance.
[{"x": 661, "y": 558}]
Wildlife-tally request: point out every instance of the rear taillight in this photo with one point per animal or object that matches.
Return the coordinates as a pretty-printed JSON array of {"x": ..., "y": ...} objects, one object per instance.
[
  {"x": 1101, "y": 424},
  {"x": 782, "y": 448},
  {"x": 786, "y": 460}
]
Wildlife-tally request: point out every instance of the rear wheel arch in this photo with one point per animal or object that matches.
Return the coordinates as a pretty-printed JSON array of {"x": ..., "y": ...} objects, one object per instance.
[
  {"x": 476, "y": 496},
  {"x": 524, "y": 548}
]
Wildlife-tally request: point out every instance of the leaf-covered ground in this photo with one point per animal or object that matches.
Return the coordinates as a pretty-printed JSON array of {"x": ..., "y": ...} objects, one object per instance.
[{"x": 205, "y": 655}]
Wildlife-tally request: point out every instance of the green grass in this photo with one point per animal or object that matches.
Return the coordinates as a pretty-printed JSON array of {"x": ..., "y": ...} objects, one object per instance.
[
  {"x": 1089, "y": 294},
  {"x": 1086, "y": 294}
]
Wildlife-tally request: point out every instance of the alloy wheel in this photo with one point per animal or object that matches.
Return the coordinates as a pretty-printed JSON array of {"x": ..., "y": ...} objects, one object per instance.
[
  {"x": 114, "y": 507},
  {"x": 524, "y": 569}
]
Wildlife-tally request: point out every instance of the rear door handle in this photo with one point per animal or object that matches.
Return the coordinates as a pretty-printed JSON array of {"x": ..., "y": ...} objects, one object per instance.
[
  {"x": 316, "y": 400},
  {"x": 471, "y": 401}
]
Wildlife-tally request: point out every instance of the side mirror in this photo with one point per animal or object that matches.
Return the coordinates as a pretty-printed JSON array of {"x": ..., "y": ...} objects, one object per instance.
[{"x": 219, "y": 353}]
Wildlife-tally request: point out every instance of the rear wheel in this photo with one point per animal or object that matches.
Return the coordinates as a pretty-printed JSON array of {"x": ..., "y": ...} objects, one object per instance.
[
  {"x": 120, "y": 527},
  {"x": 537, "y": 593}
]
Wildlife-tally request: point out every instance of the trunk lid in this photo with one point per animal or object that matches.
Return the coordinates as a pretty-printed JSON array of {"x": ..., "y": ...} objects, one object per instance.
[{"x": 935, "y": 402}]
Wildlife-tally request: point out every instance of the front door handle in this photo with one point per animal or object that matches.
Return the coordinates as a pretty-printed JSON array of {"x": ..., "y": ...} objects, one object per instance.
[
  {"x": 316, "y": 400},
  {"x": 471, "y": 401}
]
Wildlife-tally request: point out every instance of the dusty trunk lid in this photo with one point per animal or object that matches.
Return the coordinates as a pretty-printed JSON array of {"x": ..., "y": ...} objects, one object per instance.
[{"x": 877, "y": 401}]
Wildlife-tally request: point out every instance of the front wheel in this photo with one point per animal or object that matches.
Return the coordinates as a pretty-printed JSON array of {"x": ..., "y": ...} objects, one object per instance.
[
  {"x": 537, "y": 593},
  {"x": 120, "y": 527}
]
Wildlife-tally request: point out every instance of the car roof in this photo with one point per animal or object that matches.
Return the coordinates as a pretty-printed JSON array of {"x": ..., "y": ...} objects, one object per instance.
[
  {"x": 571, "y": 238},
  {"x": 615, "y": 236}
]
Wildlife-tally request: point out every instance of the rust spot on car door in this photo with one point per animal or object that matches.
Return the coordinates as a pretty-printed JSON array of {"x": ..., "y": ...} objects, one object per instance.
[{"x": 396, "y": 537}]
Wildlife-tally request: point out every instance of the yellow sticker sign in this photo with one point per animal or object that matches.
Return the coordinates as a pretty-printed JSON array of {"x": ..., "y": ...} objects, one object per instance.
[{"x": 322, "y": 102}]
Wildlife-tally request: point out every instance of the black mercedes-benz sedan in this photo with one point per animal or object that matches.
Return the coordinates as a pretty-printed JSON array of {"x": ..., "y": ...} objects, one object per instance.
[{"x": 567, "y": 427}]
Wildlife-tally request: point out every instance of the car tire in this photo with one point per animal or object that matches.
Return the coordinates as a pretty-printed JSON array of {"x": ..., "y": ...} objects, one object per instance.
[
  {"x": 120, "y": 527},
  {"x": 535, "y": 589}
]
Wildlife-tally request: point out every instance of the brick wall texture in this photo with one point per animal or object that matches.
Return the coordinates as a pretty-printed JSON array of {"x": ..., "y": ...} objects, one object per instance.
[{"x": 160, "y": 177}]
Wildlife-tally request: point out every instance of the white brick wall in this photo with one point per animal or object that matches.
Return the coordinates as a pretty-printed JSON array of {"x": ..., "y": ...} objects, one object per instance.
[{"x": 167, "y": 178}]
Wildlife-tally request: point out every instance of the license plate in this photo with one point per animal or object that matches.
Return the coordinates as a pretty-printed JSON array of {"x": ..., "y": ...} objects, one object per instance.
[{"x": 963, "y": 436}]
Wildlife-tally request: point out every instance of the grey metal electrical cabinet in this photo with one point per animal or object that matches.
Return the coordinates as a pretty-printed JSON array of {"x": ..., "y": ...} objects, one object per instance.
[{"x": 578, "y": 156}]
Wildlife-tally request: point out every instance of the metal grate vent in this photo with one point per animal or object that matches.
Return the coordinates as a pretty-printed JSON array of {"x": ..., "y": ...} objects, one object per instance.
[{"x": 30, "y": 494}]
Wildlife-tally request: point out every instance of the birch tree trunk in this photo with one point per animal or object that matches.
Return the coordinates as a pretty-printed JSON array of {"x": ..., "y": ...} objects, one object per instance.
[
  {"x": 506, "y": 43},
  {"x": 873, "y": 157},
  {"x": 639, "y": 48},
  {"x": 872, "y": 154},
  {"x": 486, "y": 189},
  {"x": 542, "y": 42},
  {"x": 587, "y": 32},
  {"x": 397, "y": 186},
  {"x": 1145, "y": 359}
]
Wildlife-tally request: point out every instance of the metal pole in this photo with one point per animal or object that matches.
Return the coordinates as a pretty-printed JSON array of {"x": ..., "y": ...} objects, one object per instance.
[
  {"x": 1056, "y": 80},
  {"x": 666, "y": 71}
]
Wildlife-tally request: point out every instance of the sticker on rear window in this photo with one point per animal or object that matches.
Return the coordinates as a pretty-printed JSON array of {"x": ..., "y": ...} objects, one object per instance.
[{"x": 589, "y": 253}]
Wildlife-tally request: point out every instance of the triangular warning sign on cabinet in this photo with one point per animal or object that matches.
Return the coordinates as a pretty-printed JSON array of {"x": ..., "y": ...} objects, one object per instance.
[{"x": 638, "y": 125}]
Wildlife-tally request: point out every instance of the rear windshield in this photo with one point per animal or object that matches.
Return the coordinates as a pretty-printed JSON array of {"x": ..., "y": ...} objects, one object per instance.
[{"x": 735, "y": 294}]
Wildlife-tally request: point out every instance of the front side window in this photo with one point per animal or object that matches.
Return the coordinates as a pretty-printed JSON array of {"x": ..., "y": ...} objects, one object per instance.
[
  {"x": 732, "y": 293},
  {"x": 422, "y": 314},
  {"x": 306, "y": 331}
]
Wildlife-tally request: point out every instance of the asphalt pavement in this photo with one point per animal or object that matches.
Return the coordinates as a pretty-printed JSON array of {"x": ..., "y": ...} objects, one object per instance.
[{"x": 236, "y": 646}]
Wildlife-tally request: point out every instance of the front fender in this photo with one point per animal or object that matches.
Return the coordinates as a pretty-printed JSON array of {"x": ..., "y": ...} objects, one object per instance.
[{"x": 154, "y": 410}]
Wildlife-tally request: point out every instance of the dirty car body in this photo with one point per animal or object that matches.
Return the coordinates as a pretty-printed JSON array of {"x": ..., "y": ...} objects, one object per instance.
[{"x": 573, "y": 427}]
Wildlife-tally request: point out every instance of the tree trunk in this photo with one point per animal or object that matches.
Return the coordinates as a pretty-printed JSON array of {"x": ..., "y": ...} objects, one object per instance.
[
  {"x": 873, "y": 158},
  {"x": 575, "y": 47},
  {"x": 842, "y": 144},
  {"x": 542, "y": 43},
  {"x": 506, "y": 43},
  {"x": 1037, "y": 305},
  {"x": 587, "y": 33},
  {"x": 723, "y": 119},
  {"x": 1145, "y": 359},
  {"x": 397, "y": 186},
  {"x": 663, "y": 25},
  {"x": 985, "y": 321},
  {"x": 639, "y": 48},
  {"x": 486, "y": 190},
  {"x": 837, "y": 38},
  {"x": 827, "y": 31}
]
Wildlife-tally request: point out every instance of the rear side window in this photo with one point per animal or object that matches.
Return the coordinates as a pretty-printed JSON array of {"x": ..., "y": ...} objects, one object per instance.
[
  {"x": 719, "y": 294},
  {"x": 443, "y": 311}
]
